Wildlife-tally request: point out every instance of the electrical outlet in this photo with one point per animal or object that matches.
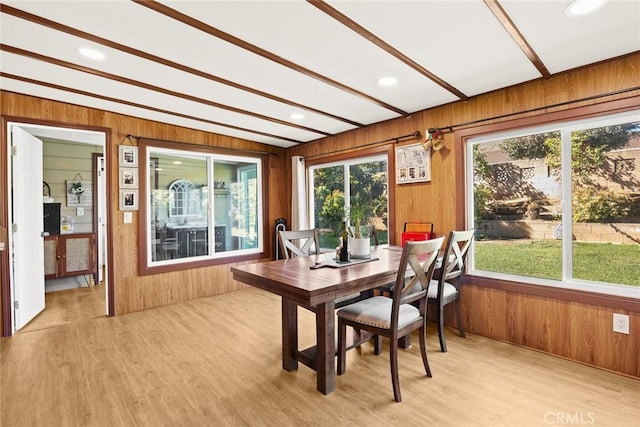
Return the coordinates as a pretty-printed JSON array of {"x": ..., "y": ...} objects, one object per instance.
[{"x": 621, "y": 323}]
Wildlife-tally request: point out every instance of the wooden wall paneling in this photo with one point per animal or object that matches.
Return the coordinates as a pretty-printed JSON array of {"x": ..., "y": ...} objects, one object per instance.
[
  {"x": 133, "y": 292},
  {"x": 580, "y": 332},
  {"x": 279, "y": 185},
  {"x": 530, "y": 320},
  {"x": 572, "y": 330}
]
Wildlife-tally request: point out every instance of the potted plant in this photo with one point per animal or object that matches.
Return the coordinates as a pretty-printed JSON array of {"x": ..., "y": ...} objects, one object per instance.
[{"x": 359, "y": 239}]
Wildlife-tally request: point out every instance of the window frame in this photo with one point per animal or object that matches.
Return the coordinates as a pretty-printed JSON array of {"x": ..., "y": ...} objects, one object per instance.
[
  {"x": 147, "y": 267},
  {"x": 355, "y": 157},
  {"x": 522, "y": 284}
]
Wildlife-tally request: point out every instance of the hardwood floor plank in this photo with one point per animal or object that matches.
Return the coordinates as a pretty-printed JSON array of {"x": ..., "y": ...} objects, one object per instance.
[
  {"x": 217, "y": 361},
  {"x": 67, "y": 306}
]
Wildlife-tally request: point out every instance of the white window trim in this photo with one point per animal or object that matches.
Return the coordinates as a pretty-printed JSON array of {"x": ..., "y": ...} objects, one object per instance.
[
  {"x": 566, "y": 127},
  {"x": 211, "y": 159},
  {"x": 344, "y": 163}
]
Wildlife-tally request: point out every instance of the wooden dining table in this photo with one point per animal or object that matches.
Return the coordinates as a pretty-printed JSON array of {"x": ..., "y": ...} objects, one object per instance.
[{"x": 299, "y": 282}]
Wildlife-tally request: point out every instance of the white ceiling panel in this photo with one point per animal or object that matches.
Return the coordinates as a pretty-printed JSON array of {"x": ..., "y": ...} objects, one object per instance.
[
  {"x": 563, "y": 42},
  {"x": 316, "y": 41},
  {"x": 461, "y": 42},
  {"x": 128, "y": 66},
  {"x": 15, "y": 64},
  {"x": 240, "y": 68},
  {"x": 86, "y": 101}
]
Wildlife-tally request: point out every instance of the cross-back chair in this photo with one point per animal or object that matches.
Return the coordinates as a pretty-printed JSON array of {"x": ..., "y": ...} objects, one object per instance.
[
  {"x": 446, "y": 288},
  {"x": 397, "y": 316},
  {"x": 298, "y": 242}
]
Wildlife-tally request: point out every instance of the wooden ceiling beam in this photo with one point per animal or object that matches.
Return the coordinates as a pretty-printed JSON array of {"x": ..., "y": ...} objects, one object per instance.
[{"x": 517, "y": 36}]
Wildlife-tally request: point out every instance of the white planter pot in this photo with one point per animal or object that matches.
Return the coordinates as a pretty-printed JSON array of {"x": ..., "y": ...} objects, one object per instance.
[{"x": 359, "y": 248}]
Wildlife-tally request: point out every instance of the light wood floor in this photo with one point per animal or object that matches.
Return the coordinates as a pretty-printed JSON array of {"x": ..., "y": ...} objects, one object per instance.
[
  {"x": 68, "y": 306},
  {"x": 216, "y": 362}
]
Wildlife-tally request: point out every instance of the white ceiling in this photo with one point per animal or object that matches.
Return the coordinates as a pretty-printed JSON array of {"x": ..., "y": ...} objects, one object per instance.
[{"x": 240, "y": 68}]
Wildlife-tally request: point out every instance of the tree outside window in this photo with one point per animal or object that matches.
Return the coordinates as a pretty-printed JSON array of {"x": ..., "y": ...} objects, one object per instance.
[
  {"x": 520, "y": 184},
  {"x": 339, "y": 189}
]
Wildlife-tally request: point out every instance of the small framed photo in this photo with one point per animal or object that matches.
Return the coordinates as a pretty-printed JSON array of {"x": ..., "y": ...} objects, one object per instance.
[
  {"x": 128, "y": 200},
  {"x": 128, "y": 178},
  {"x": 128, "y": 155},
  {"x": 413, "y": 164}
]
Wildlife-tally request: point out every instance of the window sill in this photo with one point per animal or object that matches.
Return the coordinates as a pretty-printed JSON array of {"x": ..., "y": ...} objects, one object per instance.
[
  {"x": 572, "y": 295},
  {"x": 210, "y": 262}
]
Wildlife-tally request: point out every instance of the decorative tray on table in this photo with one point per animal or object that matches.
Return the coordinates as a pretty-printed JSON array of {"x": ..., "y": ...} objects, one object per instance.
[{"x": 336, "y": 263}]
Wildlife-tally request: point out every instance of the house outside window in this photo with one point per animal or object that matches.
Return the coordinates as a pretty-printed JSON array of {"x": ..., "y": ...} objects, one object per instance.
[{"x": 572, "y": 220}]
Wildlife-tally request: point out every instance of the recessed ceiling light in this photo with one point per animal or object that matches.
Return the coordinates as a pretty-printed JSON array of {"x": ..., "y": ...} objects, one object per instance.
[
  {"x": 583, "y": 7},
  {"x": 177, "y": 162},
  {"x": 387, "y": 81},
  {"x": 91, "y": 53},
  {"x": 296, "y": 116}
]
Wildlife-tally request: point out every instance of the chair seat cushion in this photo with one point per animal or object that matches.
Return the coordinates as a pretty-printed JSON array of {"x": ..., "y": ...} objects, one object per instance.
[
  {"x": 448, "y": 290},
  {"x": 376, "y": 312}
]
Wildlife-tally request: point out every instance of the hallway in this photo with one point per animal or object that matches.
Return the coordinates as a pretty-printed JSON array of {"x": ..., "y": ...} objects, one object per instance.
[{"x": 69, "y": 306}]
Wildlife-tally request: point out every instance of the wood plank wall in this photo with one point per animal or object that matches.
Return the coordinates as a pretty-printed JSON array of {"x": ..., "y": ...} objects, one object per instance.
[
  {"x": 134, "y": 292},
  {"x": 578, "y": 331},
  {"x": 573, "y": 330},
  {"x": 542, "y": 325},
  {"x": 64, "y": 162}
]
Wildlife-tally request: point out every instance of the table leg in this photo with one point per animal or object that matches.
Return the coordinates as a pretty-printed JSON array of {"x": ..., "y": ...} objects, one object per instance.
[
  {"x": 289, "y": 334},
  {"x": 326, "y": 351}
]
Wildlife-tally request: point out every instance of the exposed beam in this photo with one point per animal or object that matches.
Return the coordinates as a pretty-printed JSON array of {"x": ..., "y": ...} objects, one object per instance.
[
  {"x": 143, "y": 85},
  {"x": 215, "y": 32},
  {"x": 149, "y": 57},
  {"x": 517, "y": 36},
  {"x": 136, "y": 105},
  {"x": 357, "y": 28}
]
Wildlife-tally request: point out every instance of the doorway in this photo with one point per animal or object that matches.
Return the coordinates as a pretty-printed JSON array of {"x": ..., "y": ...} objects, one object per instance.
[{"x": 83, "y": 227}]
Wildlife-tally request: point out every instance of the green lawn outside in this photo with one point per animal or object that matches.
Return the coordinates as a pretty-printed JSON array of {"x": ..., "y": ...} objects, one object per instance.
[{"x": 602, "y": 262}]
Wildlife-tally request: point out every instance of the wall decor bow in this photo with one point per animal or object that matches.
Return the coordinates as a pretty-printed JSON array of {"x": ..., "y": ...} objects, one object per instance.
[{"x": 435, "y": 139}]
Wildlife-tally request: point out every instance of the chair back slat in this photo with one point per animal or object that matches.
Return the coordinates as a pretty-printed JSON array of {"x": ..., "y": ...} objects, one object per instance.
[
  {"x": 455, "y": 255},
  {"x": 418, "y": 261},
  {"x": 298, "y": 242}
]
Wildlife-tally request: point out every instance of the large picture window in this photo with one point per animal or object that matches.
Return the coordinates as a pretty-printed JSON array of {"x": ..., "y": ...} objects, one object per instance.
[
  {"x": 553, "y": 205},
  {"x": 348, "y": 190},
  {"x": 201, "y": 206}
]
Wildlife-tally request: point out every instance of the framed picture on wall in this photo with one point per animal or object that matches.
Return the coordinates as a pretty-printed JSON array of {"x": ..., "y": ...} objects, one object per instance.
[
  {"x": 79, "y": 193},
  {"x": 128, "y": 200},
  {"x": 413, "y": 164},
  {"x": 128, "y": 155},
  {"x": 128, "y": 178}
]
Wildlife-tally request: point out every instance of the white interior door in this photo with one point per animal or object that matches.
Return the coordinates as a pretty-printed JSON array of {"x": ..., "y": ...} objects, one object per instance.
[
  {"x": 27, "y": 242},
  {"x": 102, "y": 215}
]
